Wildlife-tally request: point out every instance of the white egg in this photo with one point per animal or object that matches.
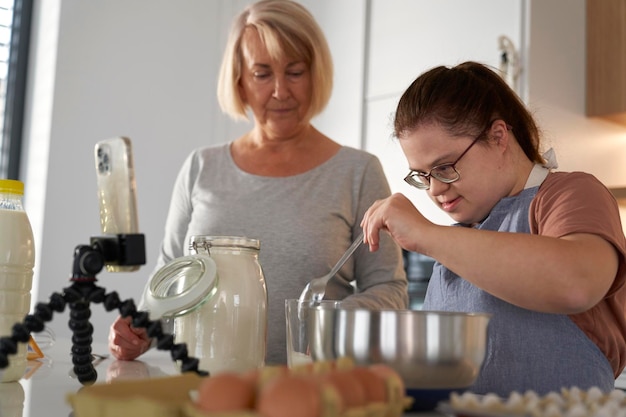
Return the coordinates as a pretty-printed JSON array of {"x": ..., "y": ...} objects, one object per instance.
[
  {"x": 492, "y": 402},
  {"x": 577, "y": 410},
  {"x": 552, "y": 410},
  {"x": 555, "y": 398},
  {"x": 594, "y": 394},
  {"x": 515, "y": 403},
  {"x": 575, "y": 395},
  {"x": 617, "y": 395},
  {"x": 469, "y": 401}
]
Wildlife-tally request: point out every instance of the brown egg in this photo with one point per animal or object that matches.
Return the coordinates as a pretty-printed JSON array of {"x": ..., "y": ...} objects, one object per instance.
[
  {"x": 302, "y": 369},
  {"x": 263, "y": 375},
  {"x": 348, "y": 385},
  {"x": 322, "y": 367},
  {"x": 395, "y": 385},
  {"x": 290, "y": 395},
  {"x": 343, "y": 363},
  {"x": 374, "y": 384},
  {"x": 226, "y": 391}
]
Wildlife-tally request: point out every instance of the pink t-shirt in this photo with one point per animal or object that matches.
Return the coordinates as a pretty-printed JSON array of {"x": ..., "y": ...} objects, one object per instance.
[{"x": 559, "y": 209}]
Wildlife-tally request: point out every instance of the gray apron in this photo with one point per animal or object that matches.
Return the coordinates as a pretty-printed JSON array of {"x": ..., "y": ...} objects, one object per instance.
[{"x": 526, "y": 350}]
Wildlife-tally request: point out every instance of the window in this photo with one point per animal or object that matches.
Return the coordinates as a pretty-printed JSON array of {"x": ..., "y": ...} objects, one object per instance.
[{"x": 15, "y": 19}]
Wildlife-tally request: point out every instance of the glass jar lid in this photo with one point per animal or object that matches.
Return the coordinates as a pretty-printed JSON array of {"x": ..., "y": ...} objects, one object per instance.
[
  {"x": 207, "y": 242},
  {"x": 181, "y": 286}
]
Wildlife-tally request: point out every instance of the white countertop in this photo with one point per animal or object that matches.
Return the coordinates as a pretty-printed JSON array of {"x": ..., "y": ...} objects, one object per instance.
[
  {"x": 42, "y": 392},
  {"x": 47, "y": 381}
]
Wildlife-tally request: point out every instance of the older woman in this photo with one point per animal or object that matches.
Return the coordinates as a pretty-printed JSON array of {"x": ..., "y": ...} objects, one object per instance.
[{"x": 284, "y": 182}]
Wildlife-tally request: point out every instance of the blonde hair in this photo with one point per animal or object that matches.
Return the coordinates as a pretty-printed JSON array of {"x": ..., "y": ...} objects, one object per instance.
[{"x": 288, "y": 30}]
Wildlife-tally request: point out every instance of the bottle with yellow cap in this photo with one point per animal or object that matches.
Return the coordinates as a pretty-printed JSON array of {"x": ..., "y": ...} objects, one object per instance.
[{"x": 17, "y": 259}]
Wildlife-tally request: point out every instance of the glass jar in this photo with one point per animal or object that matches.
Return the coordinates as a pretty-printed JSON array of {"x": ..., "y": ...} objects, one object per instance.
[{"x": 219, "y": 302}]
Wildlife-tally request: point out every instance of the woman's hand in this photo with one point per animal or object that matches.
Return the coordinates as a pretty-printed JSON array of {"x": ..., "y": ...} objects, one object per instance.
[
  {"x": 127, "y": 342},
  {"x": 396, "y": 215}
]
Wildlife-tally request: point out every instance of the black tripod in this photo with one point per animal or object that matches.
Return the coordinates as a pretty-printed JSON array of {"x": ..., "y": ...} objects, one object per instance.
[{"x": 89, "y": 260}]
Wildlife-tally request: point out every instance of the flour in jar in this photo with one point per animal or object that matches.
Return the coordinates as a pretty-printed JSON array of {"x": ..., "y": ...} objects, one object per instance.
[
  {"x": 228, "y": 331},
  {"x": 222, "y": 339}
]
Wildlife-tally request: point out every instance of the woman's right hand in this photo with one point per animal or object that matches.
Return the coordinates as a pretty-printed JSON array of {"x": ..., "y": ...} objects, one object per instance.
[
  {"x": 127, "y": 342},
  {"x": 397, "y": 216}
]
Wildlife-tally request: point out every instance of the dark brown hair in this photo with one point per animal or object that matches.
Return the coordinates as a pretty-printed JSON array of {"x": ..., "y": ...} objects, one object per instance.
[{"x": 464, "y": 100}]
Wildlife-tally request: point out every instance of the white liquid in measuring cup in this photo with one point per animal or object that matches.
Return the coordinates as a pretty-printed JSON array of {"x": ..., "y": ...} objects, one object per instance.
[{"x": 298, "y": 358}]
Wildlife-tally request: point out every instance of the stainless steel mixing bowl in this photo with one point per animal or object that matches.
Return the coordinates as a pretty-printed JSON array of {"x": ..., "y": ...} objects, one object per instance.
[{"x": 429, "y": 349}]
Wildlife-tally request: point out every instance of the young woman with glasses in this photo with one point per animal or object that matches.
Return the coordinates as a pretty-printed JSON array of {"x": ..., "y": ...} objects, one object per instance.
[{"x": 542, "y": 251}]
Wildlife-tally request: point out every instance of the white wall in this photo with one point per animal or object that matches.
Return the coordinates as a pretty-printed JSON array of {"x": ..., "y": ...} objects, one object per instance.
[
  {"x": 409, "y": 37},
  {"x": 556, "y": 81},
  {"x": 147, "y": 69}
]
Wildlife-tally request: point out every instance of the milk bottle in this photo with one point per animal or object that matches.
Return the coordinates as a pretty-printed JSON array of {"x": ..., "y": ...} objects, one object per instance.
[{"x": 17, "y": 258}]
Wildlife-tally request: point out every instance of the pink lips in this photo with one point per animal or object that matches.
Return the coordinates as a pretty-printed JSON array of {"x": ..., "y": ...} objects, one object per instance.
[
  {"x": 281, "y": 110},
  {"x": 449, "y": 206}
]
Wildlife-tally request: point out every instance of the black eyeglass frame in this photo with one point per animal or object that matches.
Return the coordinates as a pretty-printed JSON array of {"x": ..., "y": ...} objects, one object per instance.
[{"x": 413, "y": 178}]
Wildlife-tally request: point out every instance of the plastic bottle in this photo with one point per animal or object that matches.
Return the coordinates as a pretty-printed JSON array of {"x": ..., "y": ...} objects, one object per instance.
[
  {"x": 17, "y": 259},
  {"x": 11, "y": 399}
]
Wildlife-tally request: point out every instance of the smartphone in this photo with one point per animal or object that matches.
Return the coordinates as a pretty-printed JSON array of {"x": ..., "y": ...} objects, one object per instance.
[{"x": 116, "y": 191}]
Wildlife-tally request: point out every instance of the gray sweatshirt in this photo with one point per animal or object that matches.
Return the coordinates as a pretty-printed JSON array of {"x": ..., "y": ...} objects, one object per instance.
[{"x": 304, "y": 223}]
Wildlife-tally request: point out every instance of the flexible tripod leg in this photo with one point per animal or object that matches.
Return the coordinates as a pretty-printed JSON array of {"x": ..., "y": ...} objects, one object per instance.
[
  {"x": 82, "y": 329},
  {"x": 32, "y": 323},
  {"x": 88, "y": 261},
  {"x": 81, "y": 341}
]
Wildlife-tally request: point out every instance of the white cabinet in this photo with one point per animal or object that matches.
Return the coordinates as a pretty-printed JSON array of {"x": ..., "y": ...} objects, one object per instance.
[
  {"x": 408, "y": 37},
  {"x": 341, "y": 120}
]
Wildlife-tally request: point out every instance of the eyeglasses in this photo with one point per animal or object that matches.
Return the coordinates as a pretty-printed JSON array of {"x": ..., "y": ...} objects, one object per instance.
[{"x": 445, "y": 173}]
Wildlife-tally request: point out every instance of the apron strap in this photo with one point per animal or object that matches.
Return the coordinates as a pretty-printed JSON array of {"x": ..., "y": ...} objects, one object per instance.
[{"x": 540, "y": 172}]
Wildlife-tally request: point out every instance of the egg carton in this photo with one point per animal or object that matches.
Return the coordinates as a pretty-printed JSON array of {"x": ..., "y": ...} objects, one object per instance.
[
  {"x": 370, "y": 410},
  {"x": 174, "y": 396},
  {"x": 154, "y": 397}
]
